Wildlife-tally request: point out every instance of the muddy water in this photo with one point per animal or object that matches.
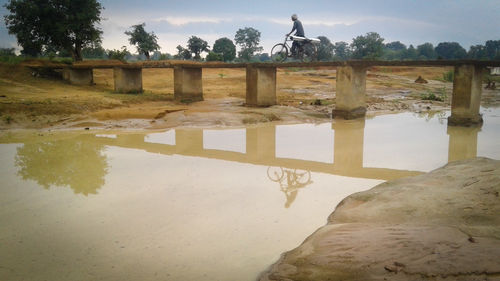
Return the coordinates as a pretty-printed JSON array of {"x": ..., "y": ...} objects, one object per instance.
[{"x": 200, "y": 204}]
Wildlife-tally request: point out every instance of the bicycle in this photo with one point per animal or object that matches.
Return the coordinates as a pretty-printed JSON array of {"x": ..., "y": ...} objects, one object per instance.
[
  {"x": 290, "y": 181},
  {"x": 307, "y": 49}
]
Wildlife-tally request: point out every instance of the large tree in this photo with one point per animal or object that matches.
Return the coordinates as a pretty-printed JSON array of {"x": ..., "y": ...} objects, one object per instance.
[
  {"x": 226, "y": 48},
  {"x": 426, "y": 51},
  {"x": 370, "y": 46},
  {"x": 144, "y": 41},
  {"x": 248, "y": 38},
  {"x": 56, "y": 24},
  {"x": 450, "y": 50},
  {"x": 493, "y": 49},
  {"x": 325, "y": 49},
  {"x": 341, "y": 51},
  {"x": 196, "y": 45}
]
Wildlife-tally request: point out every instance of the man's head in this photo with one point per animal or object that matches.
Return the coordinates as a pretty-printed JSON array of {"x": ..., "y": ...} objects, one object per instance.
[{"x": 294, "y": 17}]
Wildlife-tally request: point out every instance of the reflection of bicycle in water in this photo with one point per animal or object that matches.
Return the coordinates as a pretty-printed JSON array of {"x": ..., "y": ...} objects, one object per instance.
[
  {"x": 290, "y": 181},
  {"x": 306, "y": 50}
]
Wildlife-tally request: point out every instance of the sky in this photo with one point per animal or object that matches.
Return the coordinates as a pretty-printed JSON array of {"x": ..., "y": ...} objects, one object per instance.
[{"x": 468, "y": 22}]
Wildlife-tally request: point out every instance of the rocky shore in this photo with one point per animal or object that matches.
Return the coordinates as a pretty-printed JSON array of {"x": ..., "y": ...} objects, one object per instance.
[{"x": 444, "y": 225}]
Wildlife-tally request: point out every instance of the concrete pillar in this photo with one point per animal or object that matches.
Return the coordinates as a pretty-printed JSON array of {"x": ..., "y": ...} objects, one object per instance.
[
  {"x": 188, "y": 86},
  {"x": 79, "y": 76},
  {"x": 350, "y": 97},
  {"x": 261, "y": 86},
  {"x": 261, "y": 144},
  {"x": 466, "y": 97},
  {"x": 348, "y": 145},
  {"x": 128, "y": 80},
  {"x": 462, "y": 143}
]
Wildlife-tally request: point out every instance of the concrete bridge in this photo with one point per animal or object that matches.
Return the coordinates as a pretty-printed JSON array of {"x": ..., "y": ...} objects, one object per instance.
[{"x": 261, "y": 82}]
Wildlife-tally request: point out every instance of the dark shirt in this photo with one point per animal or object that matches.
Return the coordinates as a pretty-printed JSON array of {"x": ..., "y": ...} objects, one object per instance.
[{"x": 297, "y": 25}]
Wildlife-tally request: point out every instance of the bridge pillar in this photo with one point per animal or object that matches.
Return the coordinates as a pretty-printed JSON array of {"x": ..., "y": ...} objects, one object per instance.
[
  {"x": 79, "y": 76},
  {"x": 261, "y": 143},
  {"x": 188, "y": 86},
  {"x": 351, "y": 88},
  {"x": 466, "y": 97},
  {"x": 189, "y": 141},
  {"x": 128, "y": 80},
  {"x": 261, "y": 86},
  {"x": 348, "y": 144},
  {"x": 463, "y": 143}
]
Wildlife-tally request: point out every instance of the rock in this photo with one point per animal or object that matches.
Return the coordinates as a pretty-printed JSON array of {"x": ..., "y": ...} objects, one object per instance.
[
  {"x": 421, "y": 80},
  {"x": 444, "y": 223}
]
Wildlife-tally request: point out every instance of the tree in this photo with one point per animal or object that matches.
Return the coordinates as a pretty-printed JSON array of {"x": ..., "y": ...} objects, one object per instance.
[
  {"x": 325, "y": 49},
  {"x": 410, "y": 53},
  {"x": 183, "y": 53},
  {"x": 119, "y": 54},
  {"x": 341, "y": 51},
  {"x": 226, "y": 48},
  {"x": 145, "y": 42},
  {"x": 197, "y": 45},
  {"x": 94, "y": 51},
  {"x": 477, "y": 52},
  {"x": 450, "y": 50},
  {"x": 248, "y": 39},
  {"x": 493, "y": 49},
  {"x": 395, "y": 46},
  {"x": 7, "y": 52},
  {"x": 426, "y": 51},
  {"x": 59, "y": 24},
  {"x": 213, "y": 56},
  {"x": 367, "y": 47}
]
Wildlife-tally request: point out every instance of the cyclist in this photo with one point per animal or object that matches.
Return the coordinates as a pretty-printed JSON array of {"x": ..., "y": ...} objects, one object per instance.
[{"x": 299, "y": 31}]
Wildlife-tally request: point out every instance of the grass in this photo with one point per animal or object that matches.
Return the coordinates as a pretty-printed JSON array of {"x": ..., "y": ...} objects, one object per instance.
[
  {"x": 448, "y": 76},
  {"x": 440, "y": 95}
]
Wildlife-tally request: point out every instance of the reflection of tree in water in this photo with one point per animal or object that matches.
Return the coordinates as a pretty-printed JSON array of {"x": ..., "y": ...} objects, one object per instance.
[
  {"x": 290, "y": 181},
  {"x": 75, "y": 163}
]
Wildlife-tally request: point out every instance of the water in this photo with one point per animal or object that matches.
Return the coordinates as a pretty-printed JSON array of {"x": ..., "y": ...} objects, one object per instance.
[{"x": 200, "y": 204}]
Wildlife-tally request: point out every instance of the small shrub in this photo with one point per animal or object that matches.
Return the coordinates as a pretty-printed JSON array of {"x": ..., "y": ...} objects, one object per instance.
[
  {"x": 439, "y": 96},
  {"x": 448, "y": 76}
]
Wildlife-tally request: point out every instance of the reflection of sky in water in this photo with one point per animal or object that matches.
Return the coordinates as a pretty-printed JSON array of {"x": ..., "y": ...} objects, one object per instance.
[
  {"x": 489, "y": 136},
  {"x": 227, "y": 140},
  {"x": 305, "y": 142},
  {"x": 167, "y": 137}
]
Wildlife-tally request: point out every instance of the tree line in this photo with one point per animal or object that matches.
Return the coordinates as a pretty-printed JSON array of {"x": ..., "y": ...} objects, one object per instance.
[{"x": 64, "y": 28}]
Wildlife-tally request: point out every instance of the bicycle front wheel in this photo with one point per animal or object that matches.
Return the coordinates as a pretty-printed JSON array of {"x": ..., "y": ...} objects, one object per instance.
[{"x": 279, "y": 52}]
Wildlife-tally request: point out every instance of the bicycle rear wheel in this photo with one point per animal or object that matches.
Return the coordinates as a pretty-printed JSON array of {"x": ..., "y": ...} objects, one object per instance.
[{"x": 279, "y": 52}]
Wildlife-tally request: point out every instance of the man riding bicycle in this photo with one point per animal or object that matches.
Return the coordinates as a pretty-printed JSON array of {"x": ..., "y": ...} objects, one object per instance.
[{"x": 297, "y": 26}]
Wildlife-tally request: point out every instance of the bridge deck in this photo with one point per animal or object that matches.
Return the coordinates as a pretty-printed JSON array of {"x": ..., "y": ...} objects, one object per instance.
[{"x": 366, "y": 63}]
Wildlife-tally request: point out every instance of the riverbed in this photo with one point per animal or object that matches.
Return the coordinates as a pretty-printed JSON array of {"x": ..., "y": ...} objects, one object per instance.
[{"x": 199, "y": 203}]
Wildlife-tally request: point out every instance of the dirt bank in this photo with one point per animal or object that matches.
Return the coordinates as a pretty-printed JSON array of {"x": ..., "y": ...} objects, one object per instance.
[
  {"x": 443, "y": 225},
  {"x": 28, "y": 100}
]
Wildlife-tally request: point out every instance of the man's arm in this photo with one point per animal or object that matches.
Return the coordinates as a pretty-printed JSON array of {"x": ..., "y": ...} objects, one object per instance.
[{"x": 293, "y": 29}]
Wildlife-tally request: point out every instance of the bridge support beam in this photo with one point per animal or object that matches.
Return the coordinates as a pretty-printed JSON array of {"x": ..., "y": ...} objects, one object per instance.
[
  {"x": 261, "y": 86},
  {"x": 261, "y": 143},
  {"x": 466, "y": 97},
  {"x": 128, "y": 80},
  {"x": 79, "y": 76},
  {"x": 188, "y": 86},
  {"x": 351, "y": 88}
]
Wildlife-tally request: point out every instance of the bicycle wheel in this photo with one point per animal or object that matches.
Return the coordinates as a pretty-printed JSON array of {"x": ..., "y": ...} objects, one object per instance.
[
  {"x": 302, "y": 176},
  {"x": 310, "y": 53},
  {"x": 275, "y": 173},
  {"x": 279, "y": 52}
]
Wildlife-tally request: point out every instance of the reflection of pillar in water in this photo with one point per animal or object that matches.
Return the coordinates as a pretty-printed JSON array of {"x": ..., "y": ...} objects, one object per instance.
[
  {"x": 261, "y": 143},
  {"x": 189, "y": 141},
  {"x": 463, "y": 143},
  {"x": 348, "y": 147}
]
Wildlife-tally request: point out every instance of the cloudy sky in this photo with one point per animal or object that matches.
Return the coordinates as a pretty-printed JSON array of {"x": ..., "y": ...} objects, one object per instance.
[{"x": 468, "y": 22}]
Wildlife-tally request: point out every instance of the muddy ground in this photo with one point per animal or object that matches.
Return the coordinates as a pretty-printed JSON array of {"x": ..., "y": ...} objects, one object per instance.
[{"x": 28, "y": 100}]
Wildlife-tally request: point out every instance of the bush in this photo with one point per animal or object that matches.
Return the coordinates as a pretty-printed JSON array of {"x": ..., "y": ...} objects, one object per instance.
[
  {"x": 212, "y": 56},
  {"x": 448, "y": 76}
]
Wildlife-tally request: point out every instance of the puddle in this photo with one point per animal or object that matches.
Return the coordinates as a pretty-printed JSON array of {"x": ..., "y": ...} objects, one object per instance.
[{"x": 200, "y": 204}]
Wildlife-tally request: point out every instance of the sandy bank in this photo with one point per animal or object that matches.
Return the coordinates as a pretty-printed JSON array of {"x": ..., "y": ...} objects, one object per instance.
[{"x": 444, "y": 225}]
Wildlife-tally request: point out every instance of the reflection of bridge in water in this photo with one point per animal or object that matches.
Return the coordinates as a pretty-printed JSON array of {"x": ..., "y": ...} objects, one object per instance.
[{"x": 260, "y": 149}]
